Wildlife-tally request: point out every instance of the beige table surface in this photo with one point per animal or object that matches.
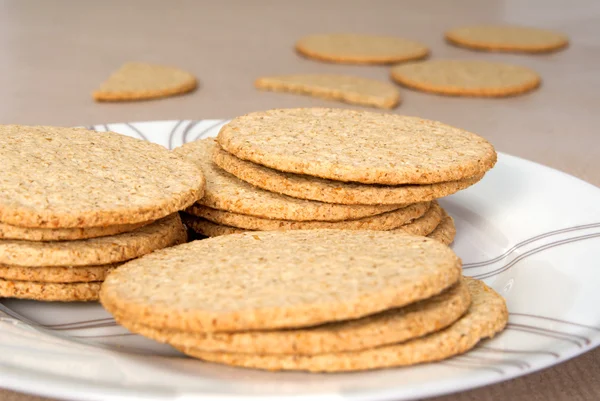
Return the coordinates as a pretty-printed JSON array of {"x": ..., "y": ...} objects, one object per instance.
[{"x": 54, "y": 53}]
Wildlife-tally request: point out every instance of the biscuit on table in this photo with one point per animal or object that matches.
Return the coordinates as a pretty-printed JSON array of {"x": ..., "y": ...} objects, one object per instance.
[
  {"x": 507, "y": 38},
  {"x": 360, "y": 49},
  {"x": 349, "y": 89},
  {"x": 467, "y": 78},
  {"x": 142, "y": 81}
]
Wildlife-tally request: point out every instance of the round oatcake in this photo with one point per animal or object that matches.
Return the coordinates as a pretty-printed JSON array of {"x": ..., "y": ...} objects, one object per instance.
[
  {"x": 486, "y": 317},
  {"x": 385, "y": 221},
  {"x": 467, "y": 77},
  {"x": 507, "y": 38},
  {"x": 71, "y": 177},
  {"x": 94, "y": 251},
  {"x": 57, "y": 274},
  {"x": 64, "y": 234},
  {"x": 392, "y": 326},
  {"x": 225, "y": 192},
  {"x": 420, "y": 226},
  {"x": 360, "y": 49},
  {"x": 63, "y": 292},
  {"x": 359, "y": 146},
  {"x": 278, "y": 279},
  {"x": 323, "y": 190}
]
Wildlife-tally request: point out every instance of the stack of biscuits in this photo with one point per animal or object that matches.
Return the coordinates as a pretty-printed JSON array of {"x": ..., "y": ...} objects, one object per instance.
[
  {"x": 311, "y": 300},
  {"x": 75, "y": 204},
  {"x": 295, "y": 169}
]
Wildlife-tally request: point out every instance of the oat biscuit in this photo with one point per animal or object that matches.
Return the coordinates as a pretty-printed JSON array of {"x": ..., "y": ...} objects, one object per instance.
[
  {"x": 385, "y": 221},
  {"x": 486, "y": 317},
  {"x": 94, "y": 251},
  {"x": 507, "y": 38},
  {"x": 64, "y": 234},
  {"x": 323, "y": 190},
  {"x": 64, "y": 292},
  {"x": 467, "y": 78},
  {"x": 57, "y": 274},
  {"x": 423, "y": 225},
  {"x": 141, "y": 81},
  {"x": 359, "y": 146},
  {"x": 360, "y": 49},
  {"x": 278, "y": 279},
  {"x": 70, "y": 177},
  {"x": 226, "y": 192},
  {"x": 445, "y": 231},
  {"x": 349, "y": 89},
  {"x": 391, "y": 326}
]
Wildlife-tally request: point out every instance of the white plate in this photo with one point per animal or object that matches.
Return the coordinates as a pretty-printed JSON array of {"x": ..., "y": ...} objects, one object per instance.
[{"x": 531, "y": 232}]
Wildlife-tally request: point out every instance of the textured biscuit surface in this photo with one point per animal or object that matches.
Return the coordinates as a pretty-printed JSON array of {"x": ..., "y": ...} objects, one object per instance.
[
  {"x": 64, "y": 234},
  {"x": 385, "y": 221},
  {"x": 70, "y": 177},
  {"x": 360, "y": 49},
  {"x": 467, "y": 77},
  {"x": 391, "y": 326},
  {"x": 445, "y": 231},
  {"x": 323, "y": 190},
  {"x": 94, "y": 251},
  {"x": 140, "y": 81},
  {"x": 57, "y": 274},
  {"x": 360, "y": 146},
  {"x": 65, "y": 292},
  {"x": 349, "y": 89},
  {"x": 423, "y": 225},
  {"x": 226, "y": 192},
  {"x": 509, "y": 38},
  {"x": 278, "y": 279},
  {"x": 486, "y": 317}
]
